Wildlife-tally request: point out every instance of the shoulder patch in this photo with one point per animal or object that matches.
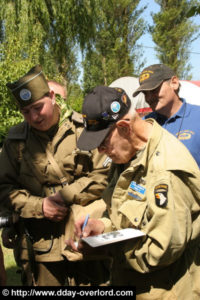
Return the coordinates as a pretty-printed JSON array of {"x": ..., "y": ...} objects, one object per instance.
[{"x": 160, "y": 192}]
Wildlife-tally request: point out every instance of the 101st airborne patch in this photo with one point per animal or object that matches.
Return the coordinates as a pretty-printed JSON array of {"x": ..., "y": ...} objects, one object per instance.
[{"x": 160, "y": 192}]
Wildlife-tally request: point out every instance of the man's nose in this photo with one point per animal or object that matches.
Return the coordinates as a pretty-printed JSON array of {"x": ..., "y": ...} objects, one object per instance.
[{"x": 33, "y": 115}]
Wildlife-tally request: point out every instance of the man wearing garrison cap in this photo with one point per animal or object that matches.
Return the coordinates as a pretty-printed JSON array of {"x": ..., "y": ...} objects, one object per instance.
[
  {"x": 48, "y": 182},
  {"x": 29, "y": 88}
]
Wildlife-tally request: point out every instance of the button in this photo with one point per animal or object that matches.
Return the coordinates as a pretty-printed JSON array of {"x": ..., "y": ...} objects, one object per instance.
[{"x": 136, "y": 219}]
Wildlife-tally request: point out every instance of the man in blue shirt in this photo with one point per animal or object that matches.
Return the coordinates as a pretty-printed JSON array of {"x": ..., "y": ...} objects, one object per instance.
[{"x": 161, "y": 86}]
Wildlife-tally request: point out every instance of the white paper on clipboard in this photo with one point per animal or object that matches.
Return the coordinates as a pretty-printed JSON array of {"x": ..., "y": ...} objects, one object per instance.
[{"x": 113, "y": 237}]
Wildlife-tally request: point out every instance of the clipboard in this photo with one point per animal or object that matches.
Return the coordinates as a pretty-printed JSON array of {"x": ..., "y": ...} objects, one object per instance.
[{"x": 113, "y": 237}]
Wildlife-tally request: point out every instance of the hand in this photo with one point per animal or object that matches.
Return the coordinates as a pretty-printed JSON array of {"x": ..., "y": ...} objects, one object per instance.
[
  {"x": 93, "y": 227},
  {"x": 57, "y": 199},
  {"x": 54, "y": 208},
  {"x": 80, "y": 246}
]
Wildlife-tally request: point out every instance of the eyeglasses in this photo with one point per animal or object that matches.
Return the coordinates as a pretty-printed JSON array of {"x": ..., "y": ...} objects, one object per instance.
[{"x": 105, "y": 143}]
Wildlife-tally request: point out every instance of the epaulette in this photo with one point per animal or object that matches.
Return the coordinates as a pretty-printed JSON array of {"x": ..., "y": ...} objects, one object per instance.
[
  {"x": 18, "y": 132},
  {"x": 77, "y": 117}
]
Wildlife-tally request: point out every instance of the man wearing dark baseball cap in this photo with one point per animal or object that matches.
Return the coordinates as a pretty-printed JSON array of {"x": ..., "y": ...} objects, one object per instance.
[
  {"x": 154, "y": 187},
  {"x": 160, "y": 86},
  {"x": 152, "y": 76},
  {"x": 102, "y": 108}
]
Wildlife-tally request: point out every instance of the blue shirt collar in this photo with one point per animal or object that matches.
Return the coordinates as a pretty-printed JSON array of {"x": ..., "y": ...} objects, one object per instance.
[{"x": 181, "y": 111}]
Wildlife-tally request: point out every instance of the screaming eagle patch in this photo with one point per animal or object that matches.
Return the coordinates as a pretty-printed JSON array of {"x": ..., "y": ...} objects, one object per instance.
[{"x": 160, "y": 192}]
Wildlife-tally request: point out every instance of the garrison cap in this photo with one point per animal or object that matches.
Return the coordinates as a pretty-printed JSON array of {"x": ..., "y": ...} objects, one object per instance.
[
  {"x": 102, "y": 108},
  {"x": 29, "y": 88},
  {"x": 152, "y": 76}
]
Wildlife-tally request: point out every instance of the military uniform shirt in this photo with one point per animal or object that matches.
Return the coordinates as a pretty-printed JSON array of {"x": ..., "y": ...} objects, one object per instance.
[
  {"x": 157, "y": 192},
  {"x": 27, "y": 176}
]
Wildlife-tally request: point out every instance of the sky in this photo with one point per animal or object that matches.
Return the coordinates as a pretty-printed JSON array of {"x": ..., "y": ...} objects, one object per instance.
[{"x": 148, "y": 44}]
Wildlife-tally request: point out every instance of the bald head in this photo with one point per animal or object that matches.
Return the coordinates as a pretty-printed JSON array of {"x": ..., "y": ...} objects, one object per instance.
[{"x": 58, "y": 88}]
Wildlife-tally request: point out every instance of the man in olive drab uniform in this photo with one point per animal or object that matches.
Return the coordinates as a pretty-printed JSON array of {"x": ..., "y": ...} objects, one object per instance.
[
  {"x": 48, "y": 182},
  {"x": 155, "y": 188}
]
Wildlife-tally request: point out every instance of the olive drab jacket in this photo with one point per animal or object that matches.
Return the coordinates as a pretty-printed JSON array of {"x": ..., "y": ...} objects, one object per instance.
[
  {"x": 37, "y": 164},
  {"x": 158, "y": 192}
]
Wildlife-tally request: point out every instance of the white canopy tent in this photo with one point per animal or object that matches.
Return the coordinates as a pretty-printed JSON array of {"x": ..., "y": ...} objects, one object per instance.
[
  {"x": 190, "y": 91},
  {"x": 130, "y": 84}
]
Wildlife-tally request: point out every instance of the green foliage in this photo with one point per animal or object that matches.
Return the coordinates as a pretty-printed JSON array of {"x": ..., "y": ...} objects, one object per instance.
[
  {"x": 12, "y": 274},
  {"x": 194, "y": 11},
  {"x": 93, "y": 74},
  {"x": 51, "y": 32},
  {"x": 14, "y": 62},
  {"x": 113, "y": 53},
  {"x": 75, "y": 97},
  {"x": 33, "y": 32},
  {"x": 173, "y": 33}
]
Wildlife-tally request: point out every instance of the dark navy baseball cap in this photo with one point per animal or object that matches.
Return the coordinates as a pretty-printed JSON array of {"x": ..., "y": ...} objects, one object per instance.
[{"x": 102, "y": 107}]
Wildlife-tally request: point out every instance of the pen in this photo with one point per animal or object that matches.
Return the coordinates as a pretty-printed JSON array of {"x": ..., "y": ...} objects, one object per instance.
[
  {"x": 85, "y": 223},
  {"x": 82, "y": 229}
]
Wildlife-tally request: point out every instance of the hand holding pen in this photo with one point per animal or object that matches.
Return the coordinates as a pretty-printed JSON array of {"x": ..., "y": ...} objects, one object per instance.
[
  {"x": 82, "y": 229},
  {"x": 84, "y": 224},
  {"x": 85, "y": 227}
]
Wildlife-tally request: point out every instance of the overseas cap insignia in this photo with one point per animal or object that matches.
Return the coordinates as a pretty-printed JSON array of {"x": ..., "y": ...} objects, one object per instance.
[
  {"x": 160, "y": 192},
  {"x": 25, "y": 94}
]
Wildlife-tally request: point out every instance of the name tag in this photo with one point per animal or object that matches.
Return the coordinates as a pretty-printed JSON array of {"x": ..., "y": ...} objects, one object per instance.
[{"x": 138, "y": 188}]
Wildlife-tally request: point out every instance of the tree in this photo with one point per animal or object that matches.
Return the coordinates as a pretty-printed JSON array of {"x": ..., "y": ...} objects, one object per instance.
[
  {"x": 194, "y": 11},
  {"x": 51, "y": 32},
  {"x": 112, "y": 52},
  {"x": 16, "y": 58},
  {"x": 33, "y": 32},
  {"x": 173, "y": 33}
]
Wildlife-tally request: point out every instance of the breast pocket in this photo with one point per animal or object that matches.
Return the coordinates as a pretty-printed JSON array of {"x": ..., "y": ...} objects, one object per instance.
[
  {"x": 134, "y": 213},
  {"x": 135, "y": 206}
]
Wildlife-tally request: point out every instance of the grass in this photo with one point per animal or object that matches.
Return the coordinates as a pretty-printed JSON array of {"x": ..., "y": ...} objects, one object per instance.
[{"x": 13, "y": 277}]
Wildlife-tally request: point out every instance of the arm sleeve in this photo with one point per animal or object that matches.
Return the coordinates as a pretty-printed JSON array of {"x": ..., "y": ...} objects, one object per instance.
[
  {"x": 12, "y": 195},
  {"x": 168, "y": 229},
  {"x": 88, "y": 187}
]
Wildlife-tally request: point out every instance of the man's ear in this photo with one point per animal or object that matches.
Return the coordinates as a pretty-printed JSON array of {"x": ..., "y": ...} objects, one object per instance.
[
  {"x": 123, "y": 126},
  {"x": 174, "y": 83}
]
